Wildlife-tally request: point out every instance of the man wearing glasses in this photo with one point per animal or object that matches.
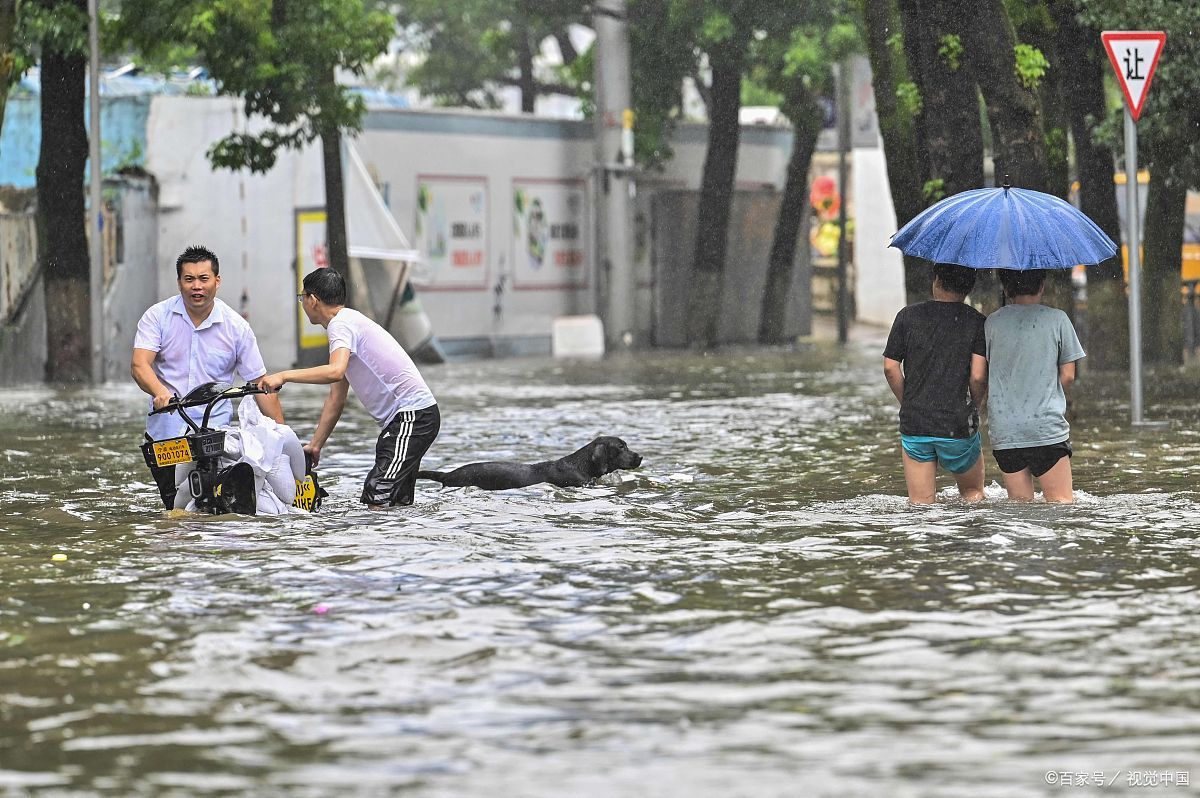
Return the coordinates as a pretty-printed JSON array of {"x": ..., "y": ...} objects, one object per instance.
[
  {"x": 188, "y": 340},
  {"x": 364, "y": 356}
]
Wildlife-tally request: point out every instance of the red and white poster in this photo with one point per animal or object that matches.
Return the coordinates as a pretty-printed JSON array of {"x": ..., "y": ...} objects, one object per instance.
[
  {"x": 550, "y": 236},
  {"x": 452, "y": 230}
]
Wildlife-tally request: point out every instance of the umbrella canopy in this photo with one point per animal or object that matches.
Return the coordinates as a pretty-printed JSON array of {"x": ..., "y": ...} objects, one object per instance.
[{"x": 1005, "y": 228}]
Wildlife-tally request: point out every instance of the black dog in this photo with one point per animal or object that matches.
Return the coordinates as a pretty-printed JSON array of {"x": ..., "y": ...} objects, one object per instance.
[{"x": 602, "y": 456}]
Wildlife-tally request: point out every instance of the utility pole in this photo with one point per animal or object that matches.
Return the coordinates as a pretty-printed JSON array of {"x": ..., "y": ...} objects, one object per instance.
[
  {"x": 844, "y": 78},
  {"x": 95, "y": 222},
  {"x": 614, "y": 173}
]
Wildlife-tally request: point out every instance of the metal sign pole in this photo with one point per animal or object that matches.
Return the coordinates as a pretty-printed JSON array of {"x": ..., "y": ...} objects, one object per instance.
[
  {"x": 96, "y": 248},
  {"x": 1134, "y": 243}
]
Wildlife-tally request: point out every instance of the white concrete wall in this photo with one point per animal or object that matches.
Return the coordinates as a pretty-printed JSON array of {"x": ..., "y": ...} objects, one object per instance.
[
  {"x": 879, "y": 290},
  {"x": 398, "y": 146},
  {"x": 248, "y": 220}
]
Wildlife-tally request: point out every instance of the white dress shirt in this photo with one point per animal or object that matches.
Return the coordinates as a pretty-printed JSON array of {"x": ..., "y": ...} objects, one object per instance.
[{"x": 220, "y": 348}]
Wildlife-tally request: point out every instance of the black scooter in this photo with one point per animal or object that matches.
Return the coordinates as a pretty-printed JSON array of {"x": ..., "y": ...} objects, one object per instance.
[{"x": 219, "y": 490}]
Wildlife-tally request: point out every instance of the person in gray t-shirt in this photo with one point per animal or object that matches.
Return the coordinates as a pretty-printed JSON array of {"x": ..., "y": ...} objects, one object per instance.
[{"x": 1031, "y": 354}]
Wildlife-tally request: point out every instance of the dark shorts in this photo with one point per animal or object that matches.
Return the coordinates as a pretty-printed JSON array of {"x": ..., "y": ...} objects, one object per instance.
[
  {"x": 1038, "y": 459},
  {"x": 398, "y": 452}
]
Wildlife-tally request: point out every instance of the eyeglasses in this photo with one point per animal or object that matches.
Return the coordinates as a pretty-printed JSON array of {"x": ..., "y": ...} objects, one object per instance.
[{"x": 300, "y": 298}]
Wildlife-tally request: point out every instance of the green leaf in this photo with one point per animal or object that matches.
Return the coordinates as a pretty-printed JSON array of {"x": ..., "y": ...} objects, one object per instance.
[
  {"x": 950, "y": 49},
  {"x": 1031, "y": 65},
  {"x": 934, "y": 190},
  {"x": 908, "y": 97}
]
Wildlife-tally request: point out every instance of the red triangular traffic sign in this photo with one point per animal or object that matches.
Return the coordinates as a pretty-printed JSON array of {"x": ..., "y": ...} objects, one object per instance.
[{"x": 1134, "y": 55}]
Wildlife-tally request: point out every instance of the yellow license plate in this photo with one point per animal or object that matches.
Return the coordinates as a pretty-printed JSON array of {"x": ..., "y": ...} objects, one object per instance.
[
  {"x": 306, "y": 493},
  {"x": 172, "y": 452}
]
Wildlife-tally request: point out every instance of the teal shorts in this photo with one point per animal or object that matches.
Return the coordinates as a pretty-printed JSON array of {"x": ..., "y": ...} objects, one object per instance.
[{"x": 956, "y": 455}]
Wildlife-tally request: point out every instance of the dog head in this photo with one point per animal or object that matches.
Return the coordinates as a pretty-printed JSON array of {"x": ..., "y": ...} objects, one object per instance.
[{"x": 609, "y": 454}]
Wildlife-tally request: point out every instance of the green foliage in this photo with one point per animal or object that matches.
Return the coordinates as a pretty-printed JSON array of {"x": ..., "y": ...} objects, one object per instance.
[
  {"x": 280, "y": 56},
  {"x": 950, "y": 49},
  {"x": 59, "y": 25},
  {"x": 11, "y": 52},
  {"x": 579, "y": 74},
  {"x": 843, "y": 39},
  {"x": 754, "y": 93},
  {"x": 908, "y": 97},
  {"x": 1171, "y": 111},
  {"x": 808, "y": 60},
  {"x": 933, "y": 190},
  {"x": 471, "y": 49},
  {"x": 717, "y": 28},
  {"x": 895, "y": 43},
  {"x": 796, "y": 53},
  {"x": 1056, "y": 145},
  {"x": 662, "y": 42},
  {"x": 1031, "y": 65},
  {"x": 1027, "y": 15},
  {"x": 131, "y": 159}
]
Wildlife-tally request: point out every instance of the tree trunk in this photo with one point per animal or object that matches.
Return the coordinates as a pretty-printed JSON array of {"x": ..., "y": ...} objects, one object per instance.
[
  {"x": 896, "y": 130},
  {"x": 1018, "y": 141},
  {"x": 1039, "y": 31},
  {"x": 1014, "y": 114},
  {"x": 1080, "y": 52},
  {"x": 62, "y": 217},
  {"x": 8, "y": 26},
  {"x": 950, "y": 109},
  {"x": 807, "y": 116},
  {"x": 1166, "y": 201},
  {"x": 335, "y": 205},
  {"x": 1060, "y": 290},
  {"x": 949, "y": 121},
  {"x": 526, "y": 80},
  {"x": 716, "y": 193}
]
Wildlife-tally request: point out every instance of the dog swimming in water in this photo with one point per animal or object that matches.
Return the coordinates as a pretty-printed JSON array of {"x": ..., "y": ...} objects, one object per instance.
[{"x": 602, "y": 456}]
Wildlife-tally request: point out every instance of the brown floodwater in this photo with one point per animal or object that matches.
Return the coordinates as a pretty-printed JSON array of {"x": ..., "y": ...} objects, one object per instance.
[{"x": 756, "y": 611}]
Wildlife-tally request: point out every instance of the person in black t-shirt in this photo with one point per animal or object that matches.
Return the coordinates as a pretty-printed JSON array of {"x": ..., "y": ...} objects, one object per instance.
[{"x": 935, "y": 364}]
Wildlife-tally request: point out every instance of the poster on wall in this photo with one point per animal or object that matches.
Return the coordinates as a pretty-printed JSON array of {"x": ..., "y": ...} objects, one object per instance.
[
  {"x": 549, "y": 234},
  {"x": 311, "y": 253},
  {"x": 825, "y": 200},
  {"x": 452, "y": 231}
]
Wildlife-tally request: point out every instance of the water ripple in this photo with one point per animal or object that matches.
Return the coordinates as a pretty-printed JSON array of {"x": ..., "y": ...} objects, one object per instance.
[{"x": 756, "y": 608}]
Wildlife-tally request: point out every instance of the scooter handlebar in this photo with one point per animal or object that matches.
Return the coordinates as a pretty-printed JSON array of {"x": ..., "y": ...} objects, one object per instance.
[
  {"x": 169, "y": 407},
  {"x": 176, "y": 403}
]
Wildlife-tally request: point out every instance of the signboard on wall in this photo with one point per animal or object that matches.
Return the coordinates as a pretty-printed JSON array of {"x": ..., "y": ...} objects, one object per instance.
[
  {"x": 452, "y": 231},
  {"x": 550, "y": 247},
  {"x": 311, "y": 253}
]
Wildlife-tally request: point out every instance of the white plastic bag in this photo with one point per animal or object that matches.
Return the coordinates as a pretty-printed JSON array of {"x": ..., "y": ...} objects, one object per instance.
[{"x": 271, "y": 449}]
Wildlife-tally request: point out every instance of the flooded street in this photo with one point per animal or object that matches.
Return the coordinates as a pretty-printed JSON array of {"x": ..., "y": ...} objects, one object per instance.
[{"x": 756, "y": 611}]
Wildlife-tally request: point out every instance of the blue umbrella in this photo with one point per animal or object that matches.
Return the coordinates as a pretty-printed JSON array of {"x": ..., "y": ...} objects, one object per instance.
[{"x": 1005, "y": 228}]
